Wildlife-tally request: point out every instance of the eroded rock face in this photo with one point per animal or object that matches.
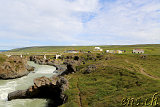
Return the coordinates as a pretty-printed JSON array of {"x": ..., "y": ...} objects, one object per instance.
[
  {"x": 14, "y": 67},
  {"x": 50, "y": 88}
]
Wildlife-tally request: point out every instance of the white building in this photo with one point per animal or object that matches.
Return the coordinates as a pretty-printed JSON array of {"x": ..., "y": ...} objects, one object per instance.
[
  {"x": 98, "y": 49},
  {"x": 111, "y": 51},
  {"x": 119, "y": 51},
  {"x": 137, "y": 51},
  {"x": 114, "y": 51},
  {"x": 58, "y": 56},
  {"x": 107, "y": 51}
]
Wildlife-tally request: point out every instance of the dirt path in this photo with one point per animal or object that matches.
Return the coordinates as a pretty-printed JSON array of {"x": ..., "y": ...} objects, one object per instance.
[
  {"x": 79, "y": 93},
  {"x": 141, "y": 70}
]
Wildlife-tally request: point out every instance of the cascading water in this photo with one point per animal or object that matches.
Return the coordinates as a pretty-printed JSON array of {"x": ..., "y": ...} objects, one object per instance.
[{"x": 7, "y": 86}]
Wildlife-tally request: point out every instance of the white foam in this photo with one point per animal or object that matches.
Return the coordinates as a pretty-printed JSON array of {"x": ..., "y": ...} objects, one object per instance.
[
  {"x": 7, "y": 88},
  {"x": 43, "y": 70}
]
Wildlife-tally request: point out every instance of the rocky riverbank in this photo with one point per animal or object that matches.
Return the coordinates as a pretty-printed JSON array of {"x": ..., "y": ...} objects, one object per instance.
[
  {"x": 63, "y": 67},
  {"x": 49, "y": 88},
  {"x": 14, "y": 67}
]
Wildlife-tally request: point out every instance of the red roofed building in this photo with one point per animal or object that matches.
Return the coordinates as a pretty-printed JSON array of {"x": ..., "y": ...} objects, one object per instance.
[{"x": 138, "y": 51}]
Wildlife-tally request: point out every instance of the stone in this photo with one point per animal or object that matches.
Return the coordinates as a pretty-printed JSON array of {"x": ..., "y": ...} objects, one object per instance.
[{"x": 53, "y": 90}]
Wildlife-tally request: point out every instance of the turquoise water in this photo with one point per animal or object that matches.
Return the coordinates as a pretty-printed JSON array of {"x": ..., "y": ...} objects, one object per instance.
[{"x": 7, "y": 86}]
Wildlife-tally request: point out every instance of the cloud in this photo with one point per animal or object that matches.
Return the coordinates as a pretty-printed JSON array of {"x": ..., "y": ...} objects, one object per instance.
[
  {"x": 80, "y": 22},
  {"x": 130, "y": 20}
]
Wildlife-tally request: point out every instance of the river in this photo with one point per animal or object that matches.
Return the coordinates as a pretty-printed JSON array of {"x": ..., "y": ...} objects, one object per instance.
[{"x": 7, "y": 86}]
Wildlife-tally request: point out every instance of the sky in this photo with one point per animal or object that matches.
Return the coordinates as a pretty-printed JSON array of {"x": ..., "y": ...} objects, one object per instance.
[{"x": 25, "y": 23}]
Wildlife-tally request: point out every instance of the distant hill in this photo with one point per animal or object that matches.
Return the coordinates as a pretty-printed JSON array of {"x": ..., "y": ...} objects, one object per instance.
[
  {"x": 3, "y": 50},
  {"x": 52, "y": 48},
  {"x": 149, "y": 48}
]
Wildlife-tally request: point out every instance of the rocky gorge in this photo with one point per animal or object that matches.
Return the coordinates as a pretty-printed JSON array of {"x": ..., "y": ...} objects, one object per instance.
[
  {"x": 52, "y": 88},
  {"x": 48, "y": 88},
  {"x": 63, "y": 67}
]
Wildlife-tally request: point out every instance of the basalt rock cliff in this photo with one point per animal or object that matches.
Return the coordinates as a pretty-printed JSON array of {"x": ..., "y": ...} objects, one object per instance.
[
  {"x": 49, "y": 88},
  {"x": 14, "y": 67}
]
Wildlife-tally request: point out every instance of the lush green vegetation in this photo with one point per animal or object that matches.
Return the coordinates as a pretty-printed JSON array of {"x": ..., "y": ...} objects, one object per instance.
[
  {"x": 52, "y": 48},
  {"x": 153, "y": 49},
  {"x": 2, "y": 58},
  {"x": 116, "y": 77}
]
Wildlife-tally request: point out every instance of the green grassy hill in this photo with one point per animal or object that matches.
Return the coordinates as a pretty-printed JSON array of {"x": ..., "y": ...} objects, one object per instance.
[
  {"x": 153, "y": 49},
  {"x": 52, "y": 48}
]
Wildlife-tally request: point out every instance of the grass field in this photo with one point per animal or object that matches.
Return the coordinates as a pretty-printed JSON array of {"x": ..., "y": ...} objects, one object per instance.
[
  {"x": 153, "y": 49},
  {"x": 114, "y": 79},
  {"x": 2, "y": 58}
]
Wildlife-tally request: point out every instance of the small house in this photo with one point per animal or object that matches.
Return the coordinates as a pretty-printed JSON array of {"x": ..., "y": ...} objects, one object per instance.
[
  {"x": 98, "y": 49},
  {"x": 111, "y": 51},
  {"x": 115, "y": 51},
  {"x": 138, "y": 51},
  {"x": 123, "y": 51},
  {"x": 119, "y": 51},
  {"x": 107, "y": 51},
  {"x": 58, "y": 56}
]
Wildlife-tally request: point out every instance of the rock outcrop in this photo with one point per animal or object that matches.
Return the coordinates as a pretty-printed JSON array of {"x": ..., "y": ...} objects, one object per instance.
[
  {"x": 49, "y": 88},
  {"x": 67, "y": 66},
  {"x": 14, "y": 67}
]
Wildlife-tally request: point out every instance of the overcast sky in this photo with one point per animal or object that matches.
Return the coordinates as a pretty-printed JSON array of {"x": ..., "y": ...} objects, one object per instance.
[{"x": 26, "y": 23}]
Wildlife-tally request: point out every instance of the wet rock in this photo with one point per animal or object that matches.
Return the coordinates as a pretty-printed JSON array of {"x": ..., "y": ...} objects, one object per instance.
[
  {"x": 17, "y": 94},
  {"x": 30, "y": 68}
]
